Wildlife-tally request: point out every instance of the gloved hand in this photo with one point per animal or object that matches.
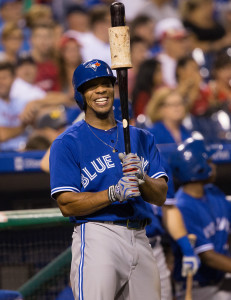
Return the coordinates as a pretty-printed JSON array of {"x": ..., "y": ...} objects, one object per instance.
[
  {"x": 132, "y": 165},
  {"x": 190, "y": 261},
  {"x": 127, "y": 187},
  {"x": 190, "y": 265}
]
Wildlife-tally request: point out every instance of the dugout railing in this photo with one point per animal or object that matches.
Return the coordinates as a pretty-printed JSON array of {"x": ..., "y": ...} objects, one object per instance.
[{"x": 35, "y": 254}]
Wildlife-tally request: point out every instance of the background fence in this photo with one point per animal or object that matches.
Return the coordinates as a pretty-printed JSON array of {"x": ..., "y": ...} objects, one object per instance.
[{"x": 35, "y": 252}]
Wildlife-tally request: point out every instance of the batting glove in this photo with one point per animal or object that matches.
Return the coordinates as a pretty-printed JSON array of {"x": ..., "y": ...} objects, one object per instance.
[
  {"x": 190, "y": 261},
  {"x": 127, "y": 187},
  {"x": 190, "y": 265},
  {"x": 132, "y": 165}
]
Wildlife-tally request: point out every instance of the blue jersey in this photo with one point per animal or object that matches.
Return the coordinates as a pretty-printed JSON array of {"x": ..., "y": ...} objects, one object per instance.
[
  {"x": 82, "y": 161},
  {"x": 164, "y": 136},
  {"x": 209, "y": 219},
  {"x": 155, "y": 228}
]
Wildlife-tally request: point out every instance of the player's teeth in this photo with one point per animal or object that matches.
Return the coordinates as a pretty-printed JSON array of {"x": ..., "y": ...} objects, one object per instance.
[{"x": 101, "y": 100}]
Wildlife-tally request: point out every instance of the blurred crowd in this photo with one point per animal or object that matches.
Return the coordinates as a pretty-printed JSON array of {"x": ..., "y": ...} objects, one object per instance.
[{"x": 180, "y": 81}]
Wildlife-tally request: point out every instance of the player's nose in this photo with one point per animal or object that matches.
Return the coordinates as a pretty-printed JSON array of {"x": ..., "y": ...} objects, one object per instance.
[{"x": 100, "y": 89}]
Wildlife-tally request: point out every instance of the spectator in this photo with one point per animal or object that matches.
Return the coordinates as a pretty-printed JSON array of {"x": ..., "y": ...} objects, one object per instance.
[
  {"x": 148, "y": 79},
  {"x": 191, "y": 86},
  {"x": 173, "y": 38},
  {"x": 26, "y": 69},
  {"x": 12, "y": 37},
  {"x": 96, "y": 43},
  {"x": 156, "y": 9},
  {"x": 160, "y": 9},
  {"x": 139, "y": 53},
  {"x": 48, "y": 125},
  {"x": 69, "y": 57},
  {"x": 206, "y": 214},
  {"x": 166, "y": 110},
  {"x": 42, "y": 41},
  {"x": 12, "y": 130},
  {"x": 77, "y": 19},
  {"x": 220, "y": 87},
  {"x": 39, "y": 14},
  {"x": 208, "y": 34},
  {"x": 143, "y": 26},
  {"x": 12, "y": 11}
]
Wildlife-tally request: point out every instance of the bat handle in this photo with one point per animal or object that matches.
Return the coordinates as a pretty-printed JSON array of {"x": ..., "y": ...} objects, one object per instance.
[
  {"x": 123, "y": 91},
  {"x": 189, "y": 284},
  {"x": 189, "y": 281}
]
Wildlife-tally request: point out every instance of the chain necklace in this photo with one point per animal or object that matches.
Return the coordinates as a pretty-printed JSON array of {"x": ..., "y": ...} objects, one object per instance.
[{"x": 113, "y": 148}]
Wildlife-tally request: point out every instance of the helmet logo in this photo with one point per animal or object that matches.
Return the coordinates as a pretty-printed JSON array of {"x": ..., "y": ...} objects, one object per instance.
[{"x": 93, "y": 65}]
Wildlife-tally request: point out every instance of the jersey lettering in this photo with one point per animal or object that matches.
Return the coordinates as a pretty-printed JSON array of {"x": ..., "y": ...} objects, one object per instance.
[
  {"x": 222, "y": 224},
  {"x": 91, "y": 177},
  {"x": 84, "y": 181},
  {"x": 100, "y": 165},
  {"x": 103, "y": 167},
  {"x": 108, "y": 161}
]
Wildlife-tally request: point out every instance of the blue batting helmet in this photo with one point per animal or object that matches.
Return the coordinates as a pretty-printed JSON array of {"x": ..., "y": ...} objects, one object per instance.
[
  {"x": 189, "y": 162},
  {"x": 87, "y": 71}
]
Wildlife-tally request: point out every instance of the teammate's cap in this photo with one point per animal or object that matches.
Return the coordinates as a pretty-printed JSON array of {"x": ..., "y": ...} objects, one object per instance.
[
  {"x": 54, "y": 119},
  {"x": 170, "y": 27},
  {"x": 189, "y": 162},
  {"x": 87, "y": 71}
]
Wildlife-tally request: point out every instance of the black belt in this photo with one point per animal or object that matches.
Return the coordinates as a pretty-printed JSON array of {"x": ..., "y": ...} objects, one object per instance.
[{"x": 130, "y": 224}]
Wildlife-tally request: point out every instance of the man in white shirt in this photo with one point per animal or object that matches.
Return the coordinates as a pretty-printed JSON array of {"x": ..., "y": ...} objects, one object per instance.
[
  {"x": 172, "y": 36},
  {"x": 14, "y": 95}
]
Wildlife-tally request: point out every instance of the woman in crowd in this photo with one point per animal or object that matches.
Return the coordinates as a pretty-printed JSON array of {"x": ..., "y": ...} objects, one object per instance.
[
  {"x": 148, "y": 79},
  {"x": 69, "y": 57},
  {"x": 166, "y": 110}
]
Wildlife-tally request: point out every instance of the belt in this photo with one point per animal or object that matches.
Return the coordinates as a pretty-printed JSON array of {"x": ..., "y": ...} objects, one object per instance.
[{"x": 130, "y": 224}]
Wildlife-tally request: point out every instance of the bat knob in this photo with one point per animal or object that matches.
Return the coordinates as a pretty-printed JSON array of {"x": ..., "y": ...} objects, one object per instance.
[{"x": 117, "y": 14}]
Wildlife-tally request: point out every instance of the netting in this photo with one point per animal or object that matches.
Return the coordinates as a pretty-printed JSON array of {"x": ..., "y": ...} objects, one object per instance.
[{"x": 35, "y": 255}]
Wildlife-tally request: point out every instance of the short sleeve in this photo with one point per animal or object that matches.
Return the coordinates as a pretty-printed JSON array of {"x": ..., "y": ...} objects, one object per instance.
[
  {"x": 194, "y": 225},
  {"x": 64, "y": 170},
  {"x": 156, "y": 170}
]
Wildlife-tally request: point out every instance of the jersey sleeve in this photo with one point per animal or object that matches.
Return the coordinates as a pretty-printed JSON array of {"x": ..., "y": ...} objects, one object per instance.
[
  {"x": 64, "y": 171},
  {"x": 155, "y": 170},
  {"x": 194, "y": 225},
  {"x": 171, "y": 200}
]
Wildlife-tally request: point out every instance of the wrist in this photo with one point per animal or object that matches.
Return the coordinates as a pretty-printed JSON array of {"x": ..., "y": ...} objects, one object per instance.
[
  {"x": 111, "y": 194},
  {"x": 185, "y": 246}
]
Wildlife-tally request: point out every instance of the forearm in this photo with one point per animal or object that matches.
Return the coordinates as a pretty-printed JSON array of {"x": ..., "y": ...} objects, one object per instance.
[
  {"x": 81, "y": 204},
  {"x": 154, "y": 190},
  {"x": 7, "y": 133},
  {"x": 173, "y": 221},
  {"x": 56, "y": 98},
  {"x": 216, "y": 260}
]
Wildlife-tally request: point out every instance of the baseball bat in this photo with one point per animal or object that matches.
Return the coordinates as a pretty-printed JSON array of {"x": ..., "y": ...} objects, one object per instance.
[
  {"x": 118, "y": 20},
  {"x": 189, "y": 281}
]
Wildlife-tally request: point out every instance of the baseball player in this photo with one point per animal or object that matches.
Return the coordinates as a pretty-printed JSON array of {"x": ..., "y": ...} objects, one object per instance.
[
  {"x": 168, "y": 217},
  {"x": 107, "y": 201},
  {"x": 207, "y": 214}
]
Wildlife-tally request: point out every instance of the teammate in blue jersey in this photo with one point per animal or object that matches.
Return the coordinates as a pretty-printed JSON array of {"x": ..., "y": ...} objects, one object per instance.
[
  {"x": 168, "y": 219},
  {"x": 107, "y": 196},
  {"x": 207, "y": 214}
]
